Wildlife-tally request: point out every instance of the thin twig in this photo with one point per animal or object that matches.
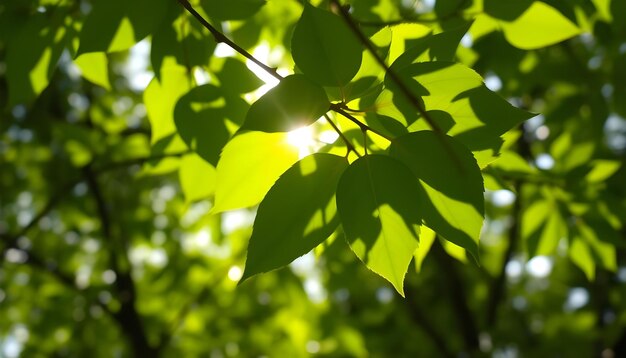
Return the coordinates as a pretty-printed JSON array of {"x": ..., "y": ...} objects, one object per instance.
[
  {"x": 220, "y": 37},
  {"x": 343, "y": 136},
  {"x": 364, "y": 127},
  {"x": 394, "y": 77}
]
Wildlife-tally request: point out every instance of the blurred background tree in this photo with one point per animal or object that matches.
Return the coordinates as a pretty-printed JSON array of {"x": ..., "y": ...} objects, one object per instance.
[{"x": 110, "y": 248}]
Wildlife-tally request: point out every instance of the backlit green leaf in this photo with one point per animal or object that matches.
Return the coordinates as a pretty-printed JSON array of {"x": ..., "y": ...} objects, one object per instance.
[
  {"x": 160, "y": 97},
  {"x": 324, "y": 48},
  {"x": 295, "y": 102},
  {"x": 587, "y": 251},
  {"x": 453, "y": 183},
  {"x": 94, "y": 67},
  {"x": 116, "y": 25},
  {"x": 457, "y": 100},
  {"x": 378, "y": 201},
  {"x": 32, "y": 55},
  {"x": 296, "y": 215},
  {"x": 427, "y": 238},
  {"x": 539, "y": 26},
  {"x": 249, "y": 165},
  {"x": 197, "y": 177},
  {"x": 206, "y": 118}
]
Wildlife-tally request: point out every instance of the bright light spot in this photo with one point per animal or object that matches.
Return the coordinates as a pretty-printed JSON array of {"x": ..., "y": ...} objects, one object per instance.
[
  {"x": 384, "y": 295},
  {"x": 201, "y": 76},
  {"x": 328, "y": 137},
  {"x": 262, "y": 53},
  {"x": 514, "y": 269},
  {"x": 467, "y": 41},
  {"x": 313, "y": 347},
  {"x": 233, "y": 220},
  {"x": 621, "y": 274},
  {"x": 157, "y": 258},
  {"x": 493, "y": 82},
  {"x": 577, "y": 298},
  {"x": 542, "y": 133},
  {"x": 108, "y": 277},
  {"x": 503, "y": 198},
  {"x": 301, "y": 138},
  {"x": 544, "y": 161},
  {"x": 11, "y": 347},
  {"x": 427, "y": 5},
  {"x": 136, "y": 69},
  {"x": 303, "y": 264},
  {"x": 314, "y": 290},
  {"x": 235, "y": 273},
  {"x": 539, "y": 266},
  {"x": 223, "y": 50}
]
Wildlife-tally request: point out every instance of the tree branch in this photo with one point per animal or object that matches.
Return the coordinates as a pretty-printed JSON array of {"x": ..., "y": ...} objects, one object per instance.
[
  {"x": 404, "y": 89},
  {"x": 496, "y": 293},
  {"x": 220, "y": 37},
  {"x": 128, "y": 318},
  {"x": 467, "y": 323},
  {"x": 420, "y": 319}
]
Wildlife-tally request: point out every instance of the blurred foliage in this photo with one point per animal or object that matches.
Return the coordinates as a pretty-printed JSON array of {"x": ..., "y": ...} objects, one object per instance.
[{"x": 128, "y": 191}]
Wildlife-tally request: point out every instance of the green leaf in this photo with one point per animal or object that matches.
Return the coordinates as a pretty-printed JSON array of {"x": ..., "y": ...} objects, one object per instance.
[
  {"x": 427, "y": 238},
  {"x": 94, "y": 67},
  {"x": 587, "y": 251},
  {"x": 116, "y": 25},
  {"x": 378, "y": 201},
  {"x": 324, "y": 48},
  {"x": 32, "y": 54},
  {"x": 160, "y": 97},
  {"x": 602, "y": 170},
  {"x": 197, "y": 178},
  {"x": 539, "y": 26},
  {"x": 249, "y": 166},
  {"x": 296, "y": 215},
  {"x": 206, "y": 118},
  {"x": 437, "y": 47},
  {"x": 180, "y": 40},
  {"x": 456, "y": 98},
  {"x": 293, "y": 103},
  {"x": 453, "y": 184},
  {"x": 236, "y": 77},
  {"x": 231, "y": 9},
  {"x": 542, "y": 227}
]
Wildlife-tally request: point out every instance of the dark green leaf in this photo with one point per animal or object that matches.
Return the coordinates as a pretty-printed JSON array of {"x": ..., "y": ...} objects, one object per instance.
[
  {"x": 296, "y": 215},
  {"x": 231, "y": 9},
  {"x": 236, "y": 77},
  {"x": 452, "y": 181},
  {"x": 379, "y": 201},
  {"x": 116, "y": 25},
  {"x": 202, "y": 116},
  {"x": 294, "y": 102},
  {"x": 324, "y": 48}
]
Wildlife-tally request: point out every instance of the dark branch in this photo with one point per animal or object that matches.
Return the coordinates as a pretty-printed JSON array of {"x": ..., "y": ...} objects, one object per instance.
[
  {"x": 220, "y": 37},
  {"x": 419, "y": 318},
  {"x": 467, "y": 323},
  {"x": 128, "y": 317}
]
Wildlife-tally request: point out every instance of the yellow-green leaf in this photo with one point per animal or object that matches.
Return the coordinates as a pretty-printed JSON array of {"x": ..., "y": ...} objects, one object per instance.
[{"x": 250, "y": 164}]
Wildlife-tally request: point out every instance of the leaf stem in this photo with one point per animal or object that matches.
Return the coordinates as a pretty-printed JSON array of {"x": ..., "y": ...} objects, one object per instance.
[
  {"x": 343, "y": 136},
  {"x": 364, "y": 127}
]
